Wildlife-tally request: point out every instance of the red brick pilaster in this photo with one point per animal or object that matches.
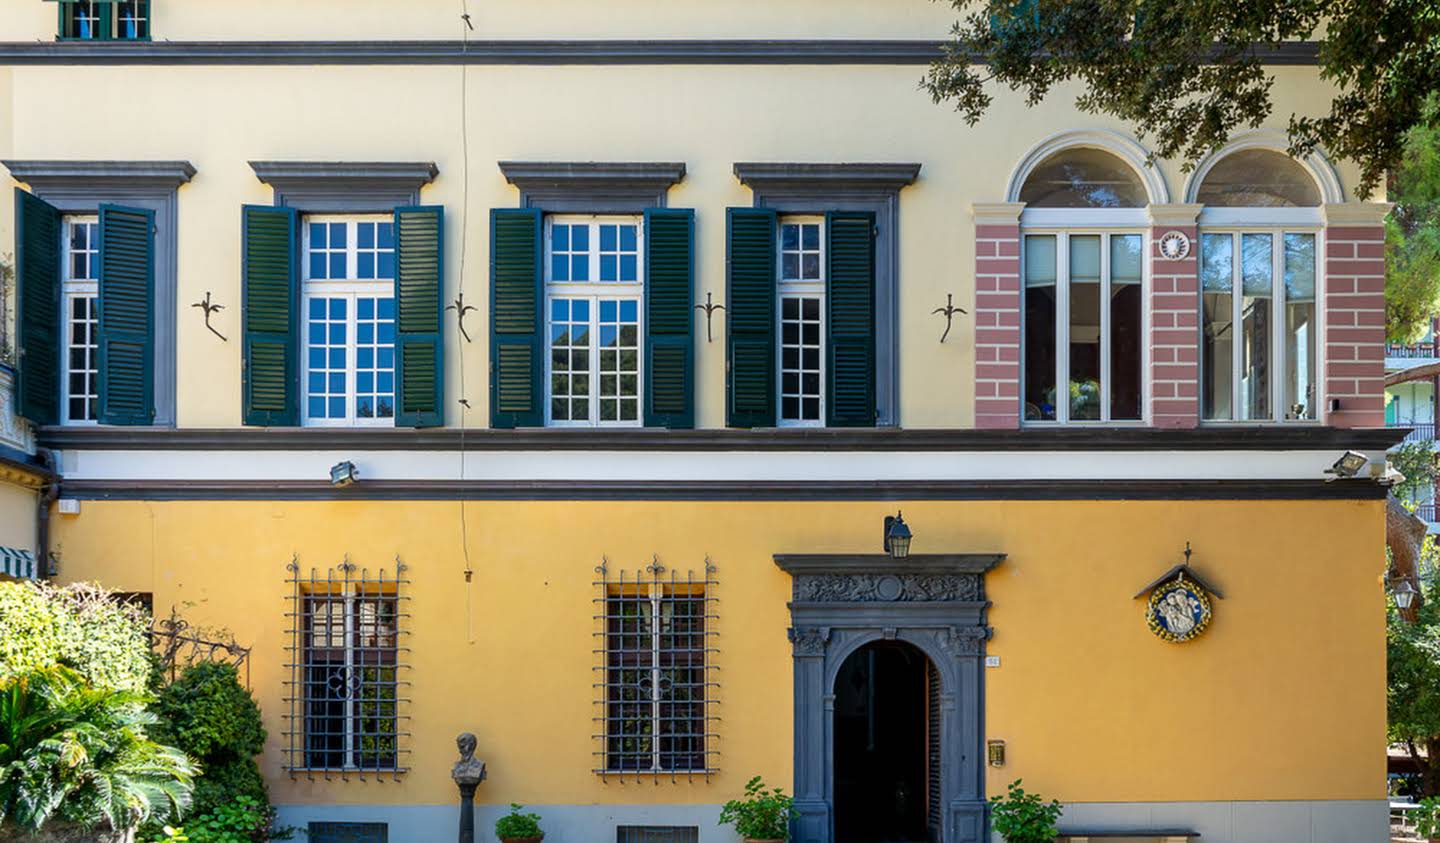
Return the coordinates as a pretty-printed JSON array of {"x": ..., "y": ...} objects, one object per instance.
[
  {"x": 997, "y": 314},
  {"x": 1354, "y": 319},
  {"x": 1174, "y": 321}
]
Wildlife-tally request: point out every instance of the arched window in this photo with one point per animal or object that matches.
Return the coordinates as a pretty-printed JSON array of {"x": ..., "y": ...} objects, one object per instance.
[
  {"x": 1258, "y": 316},
  {"x": 1083, "y": 177},
  {"x": 1258, "y": 178}
]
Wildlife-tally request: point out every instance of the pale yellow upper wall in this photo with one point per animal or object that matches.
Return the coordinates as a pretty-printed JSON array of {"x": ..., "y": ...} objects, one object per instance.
[
  {"x": 343, "y": 20},
  {"x": 219, "y": 118}
]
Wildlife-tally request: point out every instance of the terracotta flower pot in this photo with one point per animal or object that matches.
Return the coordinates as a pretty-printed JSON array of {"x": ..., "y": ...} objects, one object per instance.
[
  {"x": 765, "y": 840},
  {"x": 522, "y": 839}
]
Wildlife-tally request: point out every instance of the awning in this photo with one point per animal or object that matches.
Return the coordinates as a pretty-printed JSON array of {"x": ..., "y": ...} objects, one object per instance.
[{"x": 18, "y": 563}]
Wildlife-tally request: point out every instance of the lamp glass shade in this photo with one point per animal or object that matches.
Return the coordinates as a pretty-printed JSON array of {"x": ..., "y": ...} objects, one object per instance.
[
  {"x": 1404, "y": 594},
  {"x": 899, "y": 538}
]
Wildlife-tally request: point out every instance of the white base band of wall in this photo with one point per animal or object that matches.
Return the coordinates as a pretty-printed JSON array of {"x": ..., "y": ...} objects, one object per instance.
[{"x": 1337, "y": 821}]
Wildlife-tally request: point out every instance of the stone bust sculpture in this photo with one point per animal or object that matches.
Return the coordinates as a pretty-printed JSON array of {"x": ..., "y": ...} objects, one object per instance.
[{"x": 467, "y": 770}]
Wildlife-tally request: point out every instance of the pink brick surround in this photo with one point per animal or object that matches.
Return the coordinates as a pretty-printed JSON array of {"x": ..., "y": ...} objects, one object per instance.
[
  {"x": 1355, "y": 325},
  {"x": 997, "y": 326},
  {"x": 1174, "y": 333}
]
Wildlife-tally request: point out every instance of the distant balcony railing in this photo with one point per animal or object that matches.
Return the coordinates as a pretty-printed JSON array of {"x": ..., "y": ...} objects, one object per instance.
[
  {"x": 1419, "y": 431},
  {"x": 1411, "y": 350},
  {"x": 1425, "y": 512}
]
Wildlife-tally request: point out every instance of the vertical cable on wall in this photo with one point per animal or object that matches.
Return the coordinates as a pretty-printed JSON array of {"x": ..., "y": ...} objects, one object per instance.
[{"x": 460, "y": 294}]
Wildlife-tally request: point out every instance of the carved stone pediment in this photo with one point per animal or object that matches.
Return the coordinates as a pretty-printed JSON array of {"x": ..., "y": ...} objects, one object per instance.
[
  {"x": 887, "y": 588},
  {"x": 881, "y": 579}
]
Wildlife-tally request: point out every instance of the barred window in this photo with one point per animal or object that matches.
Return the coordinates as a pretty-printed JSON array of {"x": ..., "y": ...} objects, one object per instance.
[
  {"x": 345, "y": 680},
  {"x": 657, "y": 690},
  {"x": 657, "y": 834}
]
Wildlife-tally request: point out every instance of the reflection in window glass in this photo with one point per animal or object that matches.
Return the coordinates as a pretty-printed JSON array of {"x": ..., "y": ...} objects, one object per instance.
[
  {"x": 1083, "y": 178},
  {"x": 1258, "y": 178},
  {"x": 1300, "y": 326},
  {"x": 1126, "y": 333},
  {"x": 1217, "y": 337},
  {"x": 1040, "y": 310},
  {"x": 1257, "y": 291},
  {"x": 1085, "y": 327}
]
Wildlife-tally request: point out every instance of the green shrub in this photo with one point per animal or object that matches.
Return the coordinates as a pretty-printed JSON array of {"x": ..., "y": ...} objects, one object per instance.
[
  {"x": 243, "y": 820},
  {"x": 762, "y": 814},
  {"x": 518, "y": 826},
  {"x": 70, "y": 753},
  {"x": 210, "y": 715},
  {"x": 1022, "y": 817},
  {"x": 78, "y": 626}
]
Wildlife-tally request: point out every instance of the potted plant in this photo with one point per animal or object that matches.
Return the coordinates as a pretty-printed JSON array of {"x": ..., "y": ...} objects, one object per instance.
[
  {"x": 1427, "y": 819},
  {"x": 762, "y": 816},
  {"x": 517, "y": 827},
  {"x": 1021, "y": 817}
]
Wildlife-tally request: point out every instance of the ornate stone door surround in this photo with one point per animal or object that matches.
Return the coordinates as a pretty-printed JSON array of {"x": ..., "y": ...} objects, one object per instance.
[{"x": 935, "y": 602}]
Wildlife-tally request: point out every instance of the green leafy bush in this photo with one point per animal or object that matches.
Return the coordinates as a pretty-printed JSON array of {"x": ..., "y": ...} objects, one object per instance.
[
  {"x": 518, "y": 826},
  {"x": 210, "y": 715},
  {"x": 762, "y": 814},
  {"x": 70, "y": 753},
  {"x": 1427, "y": 818},
  {"x": 1022, "y": 817},
  {"x": 243, "y": 820},
  {"x": 78, "y": 626}
]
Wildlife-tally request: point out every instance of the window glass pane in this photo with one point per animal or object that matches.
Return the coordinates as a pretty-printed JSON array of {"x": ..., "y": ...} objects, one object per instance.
[
  {"x": 1217, "y": 337},
  {"x": 374, "y": 372},
  {"x": 82, "y": 369},
  {"x": 326, "y": 357},
  {"x": 1257, "y": 291},
  {"x": 619, "y": 369},
  {"x": 1126, "y": 334},
  {"x": 1040, "y": 260},
  {"x": 1258, "y": 178},
  {"x": 1084, "y": 384},
  {"x": 1083, "y": 178},
  {"x": 569, "y": 360},
  {"x": 800, "y": 345},
  {"x": 1300, "y": 329},
  {"x": 1127, "y": 257},
  {"x": 1040, "y": 328}
]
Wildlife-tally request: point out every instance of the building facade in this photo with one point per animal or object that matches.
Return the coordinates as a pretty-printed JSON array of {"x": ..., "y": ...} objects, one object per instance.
[{"x": 552, "y": 380}]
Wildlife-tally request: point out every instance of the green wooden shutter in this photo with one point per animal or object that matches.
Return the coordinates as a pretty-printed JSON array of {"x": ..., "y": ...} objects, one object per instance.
[
  {"x": 38, "y": 307},
  {"x": 669, "y": 318},
  {"x": 850, "y": 329},
  {"x": 126, "y": 328},
  {"x": 516, "y": 319},
  {"x": 750, "y": 317},
  {"x": 419, "y": 307},
  {"x": 271, "y": 345}
]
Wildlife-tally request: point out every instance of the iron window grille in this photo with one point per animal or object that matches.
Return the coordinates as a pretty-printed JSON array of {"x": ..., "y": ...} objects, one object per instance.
[
  {"x": 657, "y": 834},
  {"x": 656, "y": 688},
  {"x": 345, "y": 707},
  {"x": 343, "y": 832}
]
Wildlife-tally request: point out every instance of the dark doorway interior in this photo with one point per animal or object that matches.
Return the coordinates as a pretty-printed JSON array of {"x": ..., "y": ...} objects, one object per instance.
[{"x": 882, "y": 738}]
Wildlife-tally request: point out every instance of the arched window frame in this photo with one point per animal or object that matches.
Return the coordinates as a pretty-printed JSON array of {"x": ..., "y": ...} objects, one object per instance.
[
  {"x": 1277, "y": 223},
  {"x": 1106, "y": 222}
]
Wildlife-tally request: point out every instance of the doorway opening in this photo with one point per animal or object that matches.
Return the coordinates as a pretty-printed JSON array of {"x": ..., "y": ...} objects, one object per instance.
[{"x": 887, "y": 746}]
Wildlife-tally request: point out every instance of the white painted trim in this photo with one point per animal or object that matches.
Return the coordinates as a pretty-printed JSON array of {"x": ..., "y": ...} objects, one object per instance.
[
  {"x": 1077, "y": 218},
  {"x": 1121, "y": 146},
  {"x": 1260, "y": 217},
  {"x": 813, "y": 466},
  {"x": 1275, "y": 140}
]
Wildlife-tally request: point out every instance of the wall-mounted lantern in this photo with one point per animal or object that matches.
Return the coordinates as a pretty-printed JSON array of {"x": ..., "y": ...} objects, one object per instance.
[
  {"x": 1403, "y": 592},
  {"x": 897, "y": 537},
  {"x": 995, "y": 752},
  {"x": 343, "y": 474}
]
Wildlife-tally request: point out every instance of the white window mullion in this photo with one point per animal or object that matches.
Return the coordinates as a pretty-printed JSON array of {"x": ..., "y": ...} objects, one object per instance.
[
  {"x": 1106, "y": 375},
  {"x": 1062, "y": 328},
  {"x": 349, "y": 614},
  {"x": 1237, "y": 327},
  {"x": 1278, "y": 365}
]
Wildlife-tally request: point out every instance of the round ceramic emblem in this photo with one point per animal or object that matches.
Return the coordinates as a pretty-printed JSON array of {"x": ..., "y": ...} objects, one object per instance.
[
  {"x": 1178, "y": 611},
  {"x": 1174, "y": 245}
]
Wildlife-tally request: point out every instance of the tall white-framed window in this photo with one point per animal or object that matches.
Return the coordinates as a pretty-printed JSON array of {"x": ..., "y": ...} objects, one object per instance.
[
  {"x": 349, "y": 333},
  {"x": 801, "y": 313},
  {"x": 80, "y": 267},
  {"x": 1259, "y": 329},
  {"x": 593, "y": 289},
  {"x": 1083, "y": 326}
]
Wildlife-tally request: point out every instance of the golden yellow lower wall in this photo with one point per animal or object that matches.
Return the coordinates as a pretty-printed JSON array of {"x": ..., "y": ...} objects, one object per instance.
[{"x": 1283, "y": 698}]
